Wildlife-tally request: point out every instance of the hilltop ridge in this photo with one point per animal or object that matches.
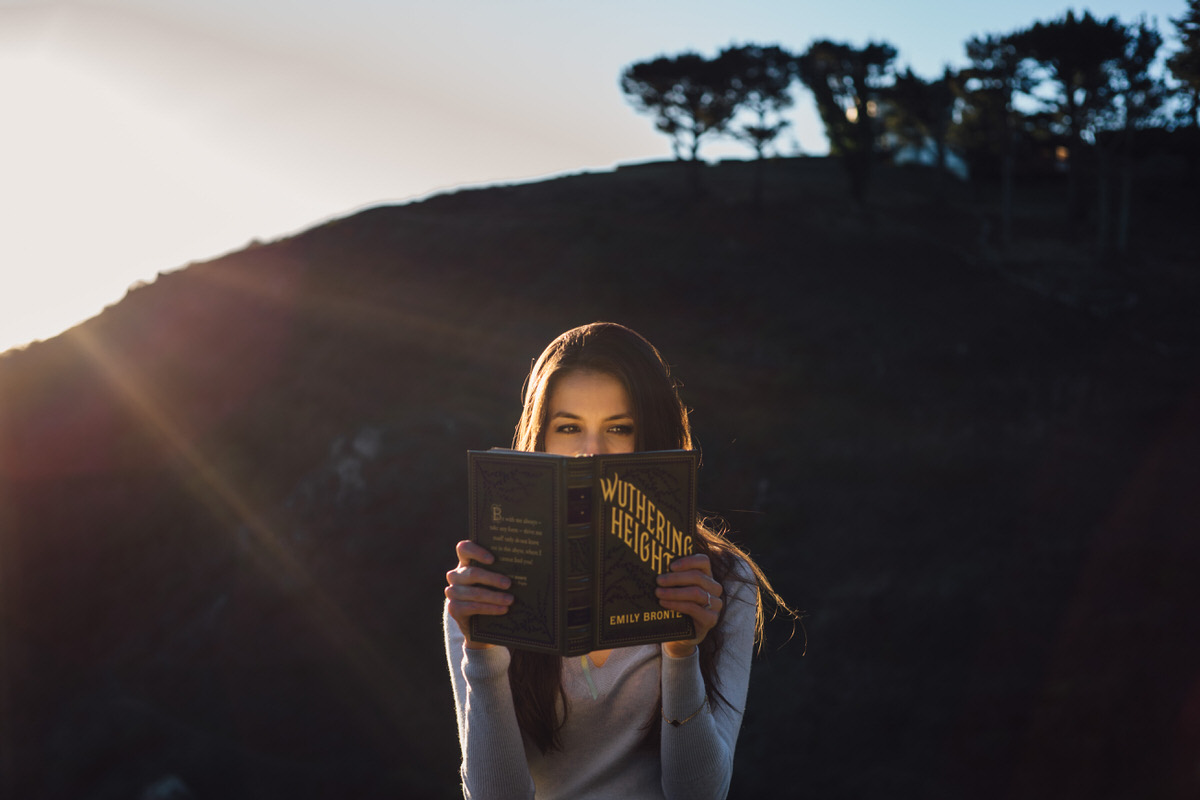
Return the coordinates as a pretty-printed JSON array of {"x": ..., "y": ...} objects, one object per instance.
[{"x": 226, "y": 503}]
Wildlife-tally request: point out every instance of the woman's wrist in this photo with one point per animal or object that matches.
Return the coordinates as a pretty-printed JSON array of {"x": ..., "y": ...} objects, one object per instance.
[{"x": 679, "y": 649}]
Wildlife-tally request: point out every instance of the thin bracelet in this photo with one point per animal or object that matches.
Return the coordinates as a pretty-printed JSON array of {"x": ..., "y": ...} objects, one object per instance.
[{"x": 675, "y": 723}]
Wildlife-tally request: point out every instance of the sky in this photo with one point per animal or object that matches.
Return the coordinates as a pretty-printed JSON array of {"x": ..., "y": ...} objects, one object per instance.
[{"x": 137, "y": 136}]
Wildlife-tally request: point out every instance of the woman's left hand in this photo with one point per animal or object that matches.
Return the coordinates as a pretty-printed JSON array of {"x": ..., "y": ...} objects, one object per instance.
[{"x": 690, "y": 588}]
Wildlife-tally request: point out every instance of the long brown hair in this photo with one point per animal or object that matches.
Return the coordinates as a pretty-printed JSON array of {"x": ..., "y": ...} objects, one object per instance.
[{"x": 660, "y": 423}]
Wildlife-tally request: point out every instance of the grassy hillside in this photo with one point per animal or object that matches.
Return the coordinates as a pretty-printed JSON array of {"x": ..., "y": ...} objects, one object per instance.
[{"x": 228, "y": 503}]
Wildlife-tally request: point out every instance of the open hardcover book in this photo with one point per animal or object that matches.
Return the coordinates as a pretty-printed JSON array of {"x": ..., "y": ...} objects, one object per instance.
[{"x": 583, "y": 539}]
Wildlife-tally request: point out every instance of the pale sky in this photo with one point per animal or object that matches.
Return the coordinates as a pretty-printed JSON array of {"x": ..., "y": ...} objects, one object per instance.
[{"x": 137, "y": 136}]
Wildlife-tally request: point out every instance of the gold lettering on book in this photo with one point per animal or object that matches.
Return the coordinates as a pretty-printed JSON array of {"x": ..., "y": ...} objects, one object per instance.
[
  {"x": 641, "y": 526},
  {"x": 642, "y": 616}
]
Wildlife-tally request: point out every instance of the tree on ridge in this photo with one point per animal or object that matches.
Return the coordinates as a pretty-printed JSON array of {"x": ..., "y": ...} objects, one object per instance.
[
  {"x": 1140, "y": 95},
  {"x": 762, "y": 77},
  {"x": 1075, "y": 56},
  {"x": 1185, "y": 64},
  {"x": 846, "y": 83},
  {"x": 689, "y": 96},
  {"x": 988, "y": 88},
  {"x": 920, "y": 113}
]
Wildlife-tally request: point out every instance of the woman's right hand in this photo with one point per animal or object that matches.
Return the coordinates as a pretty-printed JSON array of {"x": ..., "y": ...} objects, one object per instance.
[{"x": 474, "y": 590}]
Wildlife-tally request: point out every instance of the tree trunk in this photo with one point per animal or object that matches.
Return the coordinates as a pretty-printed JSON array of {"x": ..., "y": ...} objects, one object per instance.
[
  {"x": 1193, "y": 158},
  {"x": 1006, "y": 180},
  {"x": 943, "y": 177},
  {"x": 1126, "y": 201},
  {"x": 695, "y": 188},
  {"x": 1074, "y": 159},
  {"x": 1006, "y": 202},
  {"x": 760, "y": 164},
  {"x": 1103, "y": 209},
  {"x": 692, "y": 167},
  {"x": 858, "y": 166}
]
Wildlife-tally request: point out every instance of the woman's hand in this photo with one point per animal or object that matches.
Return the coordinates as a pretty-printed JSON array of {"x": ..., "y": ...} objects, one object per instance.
[
  {"x": 690, "y": 588},
  {"x": 468, "y": 589}
]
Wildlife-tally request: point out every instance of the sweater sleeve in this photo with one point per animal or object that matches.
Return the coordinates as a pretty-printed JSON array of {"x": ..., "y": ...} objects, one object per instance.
[
  {"x": 493, "y": 753},
  {"x": 697, "y": 756}
]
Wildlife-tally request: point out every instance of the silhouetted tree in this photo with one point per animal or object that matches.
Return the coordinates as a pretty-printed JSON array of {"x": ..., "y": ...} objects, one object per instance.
[
  {"x": 1139, "y": 95},
  {"x": 689, "y": 96},
  {"x": 920, "y": 114},
  {"x": 762, "y": 77},
  {"x": 989, "y": 86},
  {"x": 846, "y": 83},
  {"x": 1076, "y": 57},
  {"x": 1185, "y": 64}
]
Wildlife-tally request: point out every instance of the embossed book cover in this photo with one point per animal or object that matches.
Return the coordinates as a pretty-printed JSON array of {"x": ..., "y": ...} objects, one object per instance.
[{"x": 583, "y": 539}]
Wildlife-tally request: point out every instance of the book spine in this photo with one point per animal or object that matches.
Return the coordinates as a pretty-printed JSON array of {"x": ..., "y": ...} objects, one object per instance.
[{"x": 579, "y": 588}]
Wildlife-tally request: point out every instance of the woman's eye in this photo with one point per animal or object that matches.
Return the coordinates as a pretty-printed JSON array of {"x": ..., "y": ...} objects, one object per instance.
[
  {"x": 621, "y": 430},
  {"x": 567, "y": 428}
]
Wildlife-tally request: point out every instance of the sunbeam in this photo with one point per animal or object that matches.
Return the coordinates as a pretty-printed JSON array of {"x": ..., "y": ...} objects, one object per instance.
[{"x": 266, "y": 547}]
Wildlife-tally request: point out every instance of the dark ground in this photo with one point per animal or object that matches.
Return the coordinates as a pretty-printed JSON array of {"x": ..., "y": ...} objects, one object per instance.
[{"x": 228, "y": 503}]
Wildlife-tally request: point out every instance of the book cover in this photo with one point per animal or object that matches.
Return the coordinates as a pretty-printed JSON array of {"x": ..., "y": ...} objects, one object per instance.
[{"x": 583, "y": 539}]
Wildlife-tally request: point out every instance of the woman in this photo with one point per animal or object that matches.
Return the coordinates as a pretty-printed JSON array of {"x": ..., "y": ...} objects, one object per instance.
[{"x": 533, "y": 724}]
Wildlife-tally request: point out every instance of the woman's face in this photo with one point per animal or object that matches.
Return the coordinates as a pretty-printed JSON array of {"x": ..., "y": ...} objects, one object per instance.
[{"x": 589, "y": 413}]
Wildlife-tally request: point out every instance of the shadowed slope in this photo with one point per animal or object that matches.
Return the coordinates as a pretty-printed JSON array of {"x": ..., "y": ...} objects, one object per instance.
[{"x": 227, "y": 504}]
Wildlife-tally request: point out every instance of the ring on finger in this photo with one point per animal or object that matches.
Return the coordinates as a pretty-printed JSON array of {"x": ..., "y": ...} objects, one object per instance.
[{"x": 708, "y": 604}]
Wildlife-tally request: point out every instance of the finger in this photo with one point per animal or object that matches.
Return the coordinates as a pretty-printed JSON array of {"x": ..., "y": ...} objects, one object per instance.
[
  {"x": 462, "y": 611},
  {"x": 696, "y": 561},
  {"x": 469, "y": 551},
  {"x": 705, "y": 599},
  {"x": 692, "y": 578},
  {"x": 471, "y": 601},
  {"x": 477, "y": 595},
  {"x": 689, "y": 598},
  {"x": 466, "y": 576}
]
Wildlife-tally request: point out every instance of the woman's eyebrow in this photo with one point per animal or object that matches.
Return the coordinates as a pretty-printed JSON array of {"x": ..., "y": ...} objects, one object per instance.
[{"x": 569, "y": 415}]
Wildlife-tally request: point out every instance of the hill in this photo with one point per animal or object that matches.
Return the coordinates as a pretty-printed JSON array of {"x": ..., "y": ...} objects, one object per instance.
[{"x": 228, "y": 502}]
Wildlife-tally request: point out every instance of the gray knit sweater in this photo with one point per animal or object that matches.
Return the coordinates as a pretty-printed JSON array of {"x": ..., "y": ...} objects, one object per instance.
[{"x": 608, "y": 709}]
